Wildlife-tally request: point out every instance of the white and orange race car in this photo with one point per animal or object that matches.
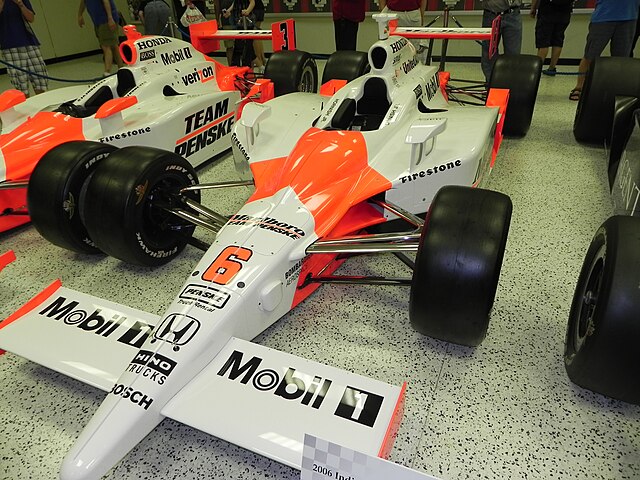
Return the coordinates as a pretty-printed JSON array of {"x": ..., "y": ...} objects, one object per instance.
[
  {"x": 382, "y": 149},
  {"x": 169, "y": 95}
]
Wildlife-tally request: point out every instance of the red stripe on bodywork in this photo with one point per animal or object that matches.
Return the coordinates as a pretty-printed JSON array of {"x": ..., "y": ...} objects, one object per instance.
[
  {"x": 394, "y": 424},
  {"x": 6, "y": 258},
  {"x": 498, "y": 97}
]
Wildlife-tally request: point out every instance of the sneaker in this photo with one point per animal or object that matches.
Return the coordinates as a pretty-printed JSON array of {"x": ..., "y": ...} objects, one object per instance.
[{"x": 549, "y": 71}]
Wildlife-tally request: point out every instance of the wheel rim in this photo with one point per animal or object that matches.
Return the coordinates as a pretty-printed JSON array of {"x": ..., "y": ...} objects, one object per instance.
[
  {"x": 307, "y": 83},
  {"x": 588, "y": 304},
  {"x": 161, "y": 197}
]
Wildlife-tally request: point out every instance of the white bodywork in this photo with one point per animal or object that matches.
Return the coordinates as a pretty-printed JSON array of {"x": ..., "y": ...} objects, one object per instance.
[{"x": 180, "y": 104}]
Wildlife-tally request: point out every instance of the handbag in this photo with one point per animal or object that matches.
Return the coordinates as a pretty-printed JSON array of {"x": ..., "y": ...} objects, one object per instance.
[{"x": 192, "y": 15}]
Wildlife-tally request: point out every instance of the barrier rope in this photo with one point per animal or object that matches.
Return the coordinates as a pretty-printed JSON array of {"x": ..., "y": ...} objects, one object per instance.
[{"x": 90, "y": 80}]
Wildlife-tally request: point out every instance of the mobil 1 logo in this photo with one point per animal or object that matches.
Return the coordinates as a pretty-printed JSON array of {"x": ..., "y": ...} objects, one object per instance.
[{"x": 359, "y": 406}]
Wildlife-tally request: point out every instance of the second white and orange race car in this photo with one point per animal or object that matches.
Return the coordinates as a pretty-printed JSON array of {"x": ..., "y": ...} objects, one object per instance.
[
  {"x": 168, "y": 95},
  {"x": 327, "y": 169}
]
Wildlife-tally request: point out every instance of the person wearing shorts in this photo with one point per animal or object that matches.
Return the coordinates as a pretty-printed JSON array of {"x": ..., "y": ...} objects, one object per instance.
[
  {"x": 612, "y": 21},
  {"x": 104, "y": 16},
  {"x": 224, "y": 19},
  {"x": 258, "y": 47},
  {"x": 20, "y": 47},
  {"x": 553, "y": 18}
]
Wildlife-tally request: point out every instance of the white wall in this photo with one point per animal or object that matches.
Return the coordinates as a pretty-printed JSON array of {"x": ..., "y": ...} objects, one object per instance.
[{"x": 57, "y": 30}]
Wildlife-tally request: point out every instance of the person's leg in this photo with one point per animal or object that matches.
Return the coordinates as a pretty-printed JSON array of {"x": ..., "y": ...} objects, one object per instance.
[
  {"x": 512, "y": 33},
  {"x": 486, "y": 63},
  {"x": 19, "y": 79},
  {"x": 542, "y": 37},
  {"x": 116, "y": 57},
  {"x": 337, "y": 31},
  {"x": 258, "y": 49},
  {"x": 107, "y": 57},
  {"x": 622, "y": 39},
  {"x": 555, "y": 56},
  {"x": 542, "y": 53},
  {"x": 151, "y": 19},
  {"x": 36, "y": 64},
  {"x": 597, "y": 39},
  {"x": 352, "y": 33}
]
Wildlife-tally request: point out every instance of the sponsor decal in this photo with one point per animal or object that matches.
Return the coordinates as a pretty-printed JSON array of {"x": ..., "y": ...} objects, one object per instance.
[
  {"x": 292, "y": 274},
  {"x": 397, "y": 45},
  {"x": 152, "y": 42},
  {"x": 432, "y": 86},
  {"x": 134, "y": 396},
  {"x": 113, "y": 327},
  {"x": 202, "y": 75},
  {"x": 359, "y": 406},
  {"x": 431, "y": 171},
  {"x": 396, "y": 59},
  {"x": 176, "y": 56},
  {"x": 205, "y": 127},
  {"x": 268, "y": 223},
  {"x": 330, "y": 110},
  {"x": 236, "y": 142},
  {"x": 418, "y": 91},
  {"x": 205, "y": 295},
  {"x": 152, "y": 365},
  {"x": 289, "y": 387},
  {"x": 123, "y": 135},
  {"x": 147, "y": 55},
  {"x": 409, "y": 65},
  {"x": 628, "y": 190},
  {"x": 176, "y": 329},
  {"x": 395, "y": 109},
  {"x": 140, "y": 190}
]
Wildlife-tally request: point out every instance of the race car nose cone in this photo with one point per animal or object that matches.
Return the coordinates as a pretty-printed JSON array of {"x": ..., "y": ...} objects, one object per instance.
[{"x": 75, "y": 468}]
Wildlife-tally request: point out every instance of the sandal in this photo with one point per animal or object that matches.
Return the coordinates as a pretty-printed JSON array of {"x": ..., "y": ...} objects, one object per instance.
[{"x": 575, "y": 94}]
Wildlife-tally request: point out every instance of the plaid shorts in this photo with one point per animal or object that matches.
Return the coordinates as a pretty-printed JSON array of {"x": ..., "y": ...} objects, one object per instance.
[{"x": 26, "y": 58}]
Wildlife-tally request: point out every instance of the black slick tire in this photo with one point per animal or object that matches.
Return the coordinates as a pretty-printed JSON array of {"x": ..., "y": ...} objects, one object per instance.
[
  {"x": 606, "y": 78},
  {"x": 521, "y": 75},
  {"x": 292, "y": 71},
  {"x": 127, "y": 216},
  {"x": 345, "y": 65},
  {"x": 603, "y": 333},
  {"x": 57, "y": 189},
  {"x": 458, "y": 264}
]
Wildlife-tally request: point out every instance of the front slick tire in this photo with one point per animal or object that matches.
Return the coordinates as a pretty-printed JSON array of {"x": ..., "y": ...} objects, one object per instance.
[
  {"x": 603, "y": 334},
  {"x": 458, "y": 264},
  {"x": 56, "y": 193},
  {"x": 127, "y": 216}
]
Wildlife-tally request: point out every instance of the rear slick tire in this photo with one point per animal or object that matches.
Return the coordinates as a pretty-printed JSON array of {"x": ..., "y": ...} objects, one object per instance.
[
  {"x": 292, "y": 71},
  {"x": 521, "y": 75},
  {"x": 607, "y": 78}
]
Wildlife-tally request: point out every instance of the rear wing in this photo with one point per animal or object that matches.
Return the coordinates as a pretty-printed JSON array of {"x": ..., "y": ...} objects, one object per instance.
[
  {"x": 388, "y": 25},
  {"x": 206, "y": 36}
]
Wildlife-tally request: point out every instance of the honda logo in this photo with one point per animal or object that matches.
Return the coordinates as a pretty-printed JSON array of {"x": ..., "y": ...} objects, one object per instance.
[{"x": 176, "y": 329}]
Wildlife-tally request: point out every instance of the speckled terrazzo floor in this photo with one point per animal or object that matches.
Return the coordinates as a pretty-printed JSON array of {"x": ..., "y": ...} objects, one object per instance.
[{"x": 505, "y": 410}]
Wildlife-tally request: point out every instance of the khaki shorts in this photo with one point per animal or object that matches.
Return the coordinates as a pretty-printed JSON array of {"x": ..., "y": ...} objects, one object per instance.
[
  {"x": 106, "y": 36},
  {"x": 228, "y": 43}
]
